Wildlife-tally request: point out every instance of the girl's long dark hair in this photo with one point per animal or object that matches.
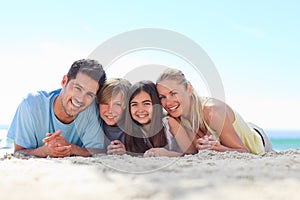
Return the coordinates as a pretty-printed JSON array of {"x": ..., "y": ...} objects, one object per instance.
[{"x": 134, "y": 135}]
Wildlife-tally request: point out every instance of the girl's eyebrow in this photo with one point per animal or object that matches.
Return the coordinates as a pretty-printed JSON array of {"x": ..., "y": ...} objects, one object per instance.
[{"x": 142, "y": 101}]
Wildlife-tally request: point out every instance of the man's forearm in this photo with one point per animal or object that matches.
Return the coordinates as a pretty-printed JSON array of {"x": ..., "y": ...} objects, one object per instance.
[{"x": 41, "y": 152}]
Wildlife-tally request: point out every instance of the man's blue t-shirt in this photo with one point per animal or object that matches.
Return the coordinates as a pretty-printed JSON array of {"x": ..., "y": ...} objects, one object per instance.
[{"x": 35, "y": 118}]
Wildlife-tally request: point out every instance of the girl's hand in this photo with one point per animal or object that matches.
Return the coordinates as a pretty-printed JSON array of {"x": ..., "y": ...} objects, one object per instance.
[{"x": 154, "y": 152}]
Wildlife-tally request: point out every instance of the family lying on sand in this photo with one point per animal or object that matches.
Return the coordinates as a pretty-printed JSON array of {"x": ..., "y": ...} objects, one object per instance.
[{"x": 91, "y": 114}]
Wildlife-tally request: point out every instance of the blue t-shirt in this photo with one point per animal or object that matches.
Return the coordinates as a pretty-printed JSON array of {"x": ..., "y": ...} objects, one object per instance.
[{"x": 35, "y": 117}]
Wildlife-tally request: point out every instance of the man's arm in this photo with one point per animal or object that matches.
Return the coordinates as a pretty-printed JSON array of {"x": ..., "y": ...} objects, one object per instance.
[
  {"x": 42, "y": 151},
  {"x": 59, "y": 146},
  {"x": 52, "y": 148}
]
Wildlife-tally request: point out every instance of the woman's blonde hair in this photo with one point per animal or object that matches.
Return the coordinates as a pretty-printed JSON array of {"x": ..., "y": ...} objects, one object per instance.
[{"x": 196, "y": 120}]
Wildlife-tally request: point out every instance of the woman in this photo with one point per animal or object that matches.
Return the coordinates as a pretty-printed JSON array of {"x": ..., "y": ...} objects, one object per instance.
[{"x": 211, "y": 123}]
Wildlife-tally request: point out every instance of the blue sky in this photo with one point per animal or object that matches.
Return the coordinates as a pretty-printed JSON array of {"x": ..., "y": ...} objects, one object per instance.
[{"x": 253, "y": 44}]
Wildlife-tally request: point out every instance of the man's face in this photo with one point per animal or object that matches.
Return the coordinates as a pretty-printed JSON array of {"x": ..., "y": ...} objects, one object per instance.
[{"x": 78, "y": 94}]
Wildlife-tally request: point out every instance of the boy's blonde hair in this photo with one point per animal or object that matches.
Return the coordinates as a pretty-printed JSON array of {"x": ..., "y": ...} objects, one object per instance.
[{"x": 113, "y": 87}]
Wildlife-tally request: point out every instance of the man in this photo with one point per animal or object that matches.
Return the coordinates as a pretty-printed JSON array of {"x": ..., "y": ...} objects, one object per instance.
[{"x": 63, "y": 122}]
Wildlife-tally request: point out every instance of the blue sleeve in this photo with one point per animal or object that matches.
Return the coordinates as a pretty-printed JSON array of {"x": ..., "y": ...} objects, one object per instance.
[{"x": 22, "y": 128}]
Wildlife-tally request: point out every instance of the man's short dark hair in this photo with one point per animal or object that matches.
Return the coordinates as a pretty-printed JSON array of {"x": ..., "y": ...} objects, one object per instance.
[{"x": 90, "y": 67}]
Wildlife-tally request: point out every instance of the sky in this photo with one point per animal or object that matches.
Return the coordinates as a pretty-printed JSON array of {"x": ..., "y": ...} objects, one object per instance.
[{"x": 254, "y": 46}]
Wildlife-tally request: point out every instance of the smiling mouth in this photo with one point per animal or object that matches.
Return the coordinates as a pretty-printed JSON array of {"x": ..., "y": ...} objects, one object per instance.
[
  {"x": 110, "y": 116},
  {"x": 142, "y": 116},
  {"x": 173, "y": 108},
  {"x": 76, "y": 103}
]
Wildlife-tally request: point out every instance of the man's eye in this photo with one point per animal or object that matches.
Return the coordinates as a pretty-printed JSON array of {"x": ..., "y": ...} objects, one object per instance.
[
  {"x": 91, "y": 96},
  {"x": 78, "y": 89}
]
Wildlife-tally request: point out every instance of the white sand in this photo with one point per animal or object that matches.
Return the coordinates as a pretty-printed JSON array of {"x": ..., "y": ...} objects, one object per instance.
[{"x": 207, "y": 175}]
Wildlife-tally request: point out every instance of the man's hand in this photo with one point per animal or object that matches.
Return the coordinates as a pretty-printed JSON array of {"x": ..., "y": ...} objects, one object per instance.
[{"x": 57, "y": 145}]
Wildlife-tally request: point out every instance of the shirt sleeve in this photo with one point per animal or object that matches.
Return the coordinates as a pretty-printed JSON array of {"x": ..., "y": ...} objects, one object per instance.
[{"x": 22, "y": 127}]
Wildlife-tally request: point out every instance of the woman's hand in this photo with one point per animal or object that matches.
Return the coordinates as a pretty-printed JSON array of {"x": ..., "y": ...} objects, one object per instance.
[{"x": 208, "y": 143}]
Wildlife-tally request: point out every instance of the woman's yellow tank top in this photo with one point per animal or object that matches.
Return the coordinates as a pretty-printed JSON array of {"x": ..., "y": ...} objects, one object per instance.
[{"x": 249, "y": 136}]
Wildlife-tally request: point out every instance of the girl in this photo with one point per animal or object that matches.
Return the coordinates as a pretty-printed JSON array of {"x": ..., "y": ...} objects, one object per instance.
[
  {"x": 145, "y": 133},
  {"x": 215, "y": 125}
]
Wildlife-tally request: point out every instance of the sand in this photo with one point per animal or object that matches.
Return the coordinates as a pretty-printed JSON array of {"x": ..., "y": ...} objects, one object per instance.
[{"x": 206, "y": 175}]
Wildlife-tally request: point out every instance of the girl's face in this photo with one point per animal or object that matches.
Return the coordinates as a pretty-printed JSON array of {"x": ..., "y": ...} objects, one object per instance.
[
  {"x": 141, "y": 108},
  {"x": 111, "y": 111},
  {"x": 174, "y": 97}
]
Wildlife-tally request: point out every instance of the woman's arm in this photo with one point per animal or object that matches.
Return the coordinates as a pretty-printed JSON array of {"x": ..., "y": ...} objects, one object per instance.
[
  {"x": 184, "y": 141},
  {"x": 220, "y": 117}
]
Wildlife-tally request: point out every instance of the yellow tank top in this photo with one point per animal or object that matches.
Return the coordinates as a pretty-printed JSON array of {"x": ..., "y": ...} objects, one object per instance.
[{"x": 249, "y": 136}]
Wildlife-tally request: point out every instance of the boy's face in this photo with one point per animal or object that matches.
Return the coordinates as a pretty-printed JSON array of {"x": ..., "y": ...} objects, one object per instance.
[{"x": 111, "y": 111}]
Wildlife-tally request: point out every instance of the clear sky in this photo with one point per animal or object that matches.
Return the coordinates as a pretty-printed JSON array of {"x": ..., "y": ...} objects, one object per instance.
[{"x": 253, "y": 44}]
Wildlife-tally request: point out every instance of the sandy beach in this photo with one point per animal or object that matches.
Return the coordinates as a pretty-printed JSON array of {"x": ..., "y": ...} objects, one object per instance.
[{"x": 206, "y": 175}]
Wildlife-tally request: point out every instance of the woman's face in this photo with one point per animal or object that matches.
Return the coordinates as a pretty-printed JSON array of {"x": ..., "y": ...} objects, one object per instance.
[
  {"x": 111, "y": 111},
  {"x": 175, "y": 98},
  {"x": 141, "y": 108}
]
